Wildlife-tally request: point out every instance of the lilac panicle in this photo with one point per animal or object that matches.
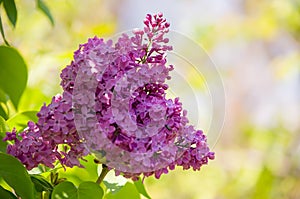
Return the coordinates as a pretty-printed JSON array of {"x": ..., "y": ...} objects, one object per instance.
[{"x": 142, "y": 58}]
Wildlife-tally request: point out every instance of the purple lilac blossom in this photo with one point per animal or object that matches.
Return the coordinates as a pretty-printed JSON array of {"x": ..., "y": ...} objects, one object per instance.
[{"x": 130, "y": 112}]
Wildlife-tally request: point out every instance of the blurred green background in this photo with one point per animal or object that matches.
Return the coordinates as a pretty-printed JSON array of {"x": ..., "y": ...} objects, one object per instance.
[{"x": 254, "y": 44}]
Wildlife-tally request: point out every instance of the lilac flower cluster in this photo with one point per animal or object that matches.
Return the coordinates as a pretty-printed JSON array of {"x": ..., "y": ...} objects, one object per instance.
[
  {"x": 54, "y": 137},
  {"x": 32, "y": 149},
  {"x": 127, "y": 119}
]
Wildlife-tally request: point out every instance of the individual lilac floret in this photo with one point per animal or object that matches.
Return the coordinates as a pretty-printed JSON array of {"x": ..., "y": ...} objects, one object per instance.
[{"x": 128, "y": 119}]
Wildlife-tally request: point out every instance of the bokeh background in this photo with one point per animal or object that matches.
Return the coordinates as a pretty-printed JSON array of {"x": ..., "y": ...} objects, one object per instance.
[{"x": 255, "y": 47}]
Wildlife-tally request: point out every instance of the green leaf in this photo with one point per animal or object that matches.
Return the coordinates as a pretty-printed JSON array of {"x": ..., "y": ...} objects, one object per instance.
[
  {"x": 89, "y": 190},
  {"x": 13, "y": 73},
  {"x": 11, "y": 11},
  {"x": 128, "y": 191},
  {"x": 3, "y": 113},
  {"x": 44, "y": 8},
  {"x": 86, "y": 190},
  {"x": 20, "y": 120},
  {"x": 64, "y": 190},
  {"x": 3, "y": 126},
  {"x": 41, "y": 183},
  {"x": 2, "y": 32},
  {"x": 33, "y": 99},
  {"x": 6, "y": 194},
  {"x": 78, "y": 175},
  {"x": 3, "y": 104},
  {"x": 3, "y": 129},
  {"x": 3, "y": 96},
  {"x": 141, "y": 188},
  {"x": 16, "y": 176},
  {"x": 46, "y": 195}
]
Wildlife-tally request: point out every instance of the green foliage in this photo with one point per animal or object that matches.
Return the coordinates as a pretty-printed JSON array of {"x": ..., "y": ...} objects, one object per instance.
[
  {"x": 64, "y": 190},
  {"x": 89, "y": 190},
  {"x": 3, "y": 97},
  {"x": 16, "y": 176},
  {"x": 11, "y": 11},
  {"x": 113, "y": 187},
  {"x": 2, "y": 31},
  {"x": 3, "y": 104},
  {"x": 40, "y": 183},
  {"x": 12, "y": 14},
  {"x": 6, "y": 194},
  {"x": 44, "y": 8},
  {"x": 78, "y": 175},
  {"x": 141, "y": 188},
  {"x": 20, "y": 120},
  {"x": 67, "y": 189},
  {"x": 13, "y": 76},
  {"x": 3, "y": 112},
  {"x": 3, "y": 128},
  {"x": 129, "y": 191}
]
